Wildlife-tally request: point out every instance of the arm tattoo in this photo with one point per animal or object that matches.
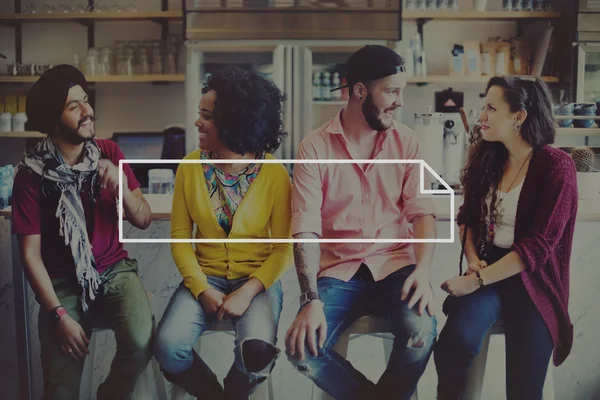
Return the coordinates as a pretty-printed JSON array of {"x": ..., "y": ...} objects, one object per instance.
[{"x": 307, "y": 257}]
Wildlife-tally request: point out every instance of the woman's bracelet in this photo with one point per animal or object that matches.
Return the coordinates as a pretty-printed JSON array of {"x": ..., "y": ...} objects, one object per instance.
[
  {"x": 137, "y": 212},
  {"x": 140, "y": 208}
]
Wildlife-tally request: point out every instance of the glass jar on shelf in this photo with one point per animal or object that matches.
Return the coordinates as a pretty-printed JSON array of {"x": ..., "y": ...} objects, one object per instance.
[
  {"x": 181, "y": 59},
  {"x": 170, "y": 63},
  {"x": 76, "y": 61},
  {"x": 144, "y": 63},
  {"x": 91, "y": 61},
  {"x": 106, "y": 61},
  {"x": 157, "y": 64},
  {"x": 431, "y": 5},
  {"x": 130, "y": 7},
  {"x": 452, "y": 5}
]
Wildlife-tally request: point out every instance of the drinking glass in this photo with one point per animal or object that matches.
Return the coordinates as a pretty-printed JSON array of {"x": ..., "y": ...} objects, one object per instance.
[
  {"x": 47, "y": 8},
  {"x": 170, "y": 65},
  {"x": 80, "y": 8},
  {"x": 30, "y": 8}
]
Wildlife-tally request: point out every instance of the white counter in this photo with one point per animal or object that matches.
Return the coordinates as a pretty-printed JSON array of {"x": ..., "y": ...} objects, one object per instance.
[
  {"x": 576, "y": 379},
  {"x": 589, "y": 210}
]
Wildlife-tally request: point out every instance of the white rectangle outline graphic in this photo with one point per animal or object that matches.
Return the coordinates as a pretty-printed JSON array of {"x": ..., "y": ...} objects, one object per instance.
[{"x": 423, "y": 164}]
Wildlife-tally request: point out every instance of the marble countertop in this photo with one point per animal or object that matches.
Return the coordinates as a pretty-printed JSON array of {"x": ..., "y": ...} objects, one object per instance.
[{"x": 589, "y": 210}]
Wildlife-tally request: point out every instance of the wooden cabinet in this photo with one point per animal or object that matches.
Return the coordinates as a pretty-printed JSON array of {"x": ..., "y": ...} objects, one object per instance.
[{"x": 588, "y": 21}]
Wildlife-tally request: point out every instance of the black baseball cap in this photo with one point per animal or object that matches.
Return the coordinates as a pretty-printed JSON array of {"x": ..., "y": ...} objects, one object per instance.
[{"x": 370, "y": 63}]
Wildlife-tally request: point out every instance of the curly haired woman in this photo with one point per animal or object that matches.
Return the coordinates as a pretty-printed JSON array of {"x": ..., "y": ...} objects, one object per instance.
[
  {"x": 517, "y": 222},
  {"x": 239, "y": 119}
]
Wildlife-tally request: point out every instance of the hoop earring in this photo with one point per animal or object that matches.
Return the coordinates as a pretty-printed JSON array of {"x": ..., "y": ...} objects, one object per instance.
[{"x": 517, "y": 127}]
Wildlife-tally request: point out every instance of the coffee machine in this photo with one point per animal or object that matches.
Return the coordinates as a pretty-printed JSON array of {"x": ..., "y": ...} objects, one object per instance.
[{"x": 449, "y": 103}]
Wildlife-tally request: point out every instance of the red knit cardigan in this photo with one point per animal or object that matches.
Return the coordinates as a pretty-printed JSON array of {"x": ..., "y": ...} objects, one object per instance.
[{"x": 544, "y": 228}]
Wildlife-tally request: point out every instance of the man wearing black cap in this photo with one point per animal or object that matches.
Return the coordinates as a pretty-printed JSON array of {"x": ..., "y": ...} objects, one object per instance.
[
  {"x": 65, "y": 215},
  {"x": 363, "y": 201}
]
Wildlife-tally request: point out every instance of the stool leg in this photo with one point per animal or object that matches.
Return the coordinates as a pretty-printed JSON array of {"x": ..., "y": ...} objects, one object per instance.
[
  {"x": 272, "y": 392},
  {"x": 388, "y": 346},
  {"x": 177, "y": 393},
  {"x": 142, "y": 387},
  {"x": 476, "y": 373},
  {"x": 87, "y": 378},
  {"x": 318, "y": 394},
  {"x": 341, "y": 346},
  {"x": 262, "y": 391},
  {"x": 159, "y": 380},
  {"x": 548, "y": 393}
]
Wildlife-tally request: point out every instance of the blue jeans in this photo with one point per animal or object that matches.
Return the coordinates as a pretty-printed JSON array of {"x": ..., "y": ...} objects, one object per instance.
[
  {"x": 255, "y": 348},
  {"x": 414, "y": 337},
  {"x": 528, "y": 341}
]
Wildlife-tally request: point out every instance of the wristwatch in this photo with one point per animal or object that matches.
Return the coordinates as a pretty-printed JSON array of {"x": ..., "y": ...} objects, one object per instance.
[
  {"x": 307, "y": 297},
  {"x": 55, "y": 314},
  {"x": 479, "y": 279}
]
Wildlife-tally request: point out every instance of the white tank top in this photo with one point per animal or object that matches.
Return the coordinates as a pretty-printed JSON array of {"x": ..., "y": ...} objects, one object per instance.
[{"x": 505, "y": 231}]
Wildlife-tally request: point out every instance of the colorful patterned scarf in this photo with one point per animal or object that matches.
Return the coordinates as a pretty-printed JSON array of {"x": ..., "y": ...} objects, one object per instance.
[{"x": 226, "y": 191}]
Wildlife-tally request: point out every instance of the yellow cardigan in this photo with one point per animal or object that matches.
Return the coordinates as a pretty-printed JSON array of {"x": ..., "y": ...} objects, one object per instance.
[{"x": 265, "y": 212}]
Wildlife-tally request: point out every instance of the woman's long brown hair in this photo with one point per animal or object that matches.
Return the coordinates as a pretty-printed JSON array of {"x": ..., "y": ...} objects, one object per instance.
[{"x": 486, "y": 160}]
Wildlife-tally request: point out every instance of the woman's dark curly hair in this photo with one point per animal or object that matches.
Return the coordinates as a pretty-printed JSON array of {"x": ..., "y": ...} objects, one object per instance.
[
  {"x": 485, "y": 164},
  {"x": 248, "y": 110}
]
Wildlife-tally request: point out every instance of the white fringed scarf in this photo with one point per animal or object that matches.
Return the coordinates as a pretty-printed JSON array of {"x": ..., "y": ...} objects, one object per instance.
[{"x": 46, "y": 161}]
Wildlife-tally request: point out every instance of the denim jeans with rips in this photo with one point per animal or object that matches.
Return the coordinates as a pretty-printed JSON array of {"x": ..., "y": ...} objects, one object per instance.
[
  {"x": 255, "y": 348},
  {"x": 414, "y": 336}
]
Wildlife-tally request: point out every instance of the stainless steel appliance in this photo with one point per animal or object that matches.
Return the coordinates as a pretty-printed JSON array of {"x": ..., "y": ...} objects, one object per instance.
[{"x": 449, "y": 103}]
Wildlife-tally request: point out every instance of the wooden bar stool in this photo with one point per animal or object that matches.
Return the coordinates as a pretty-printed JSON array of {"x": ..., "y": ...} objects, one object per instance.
[
  {"x": 476, "y": 373},
  {"x": 367, "y": 325},
  {"x": 262, "y": 392}
]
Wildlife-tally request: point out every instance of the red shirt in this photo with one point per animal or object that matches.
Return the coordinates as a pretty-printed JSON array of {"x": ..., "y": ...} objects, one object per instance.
[
  {"x": 32, "y": 214},
  {"x": 544, "y": 230}
]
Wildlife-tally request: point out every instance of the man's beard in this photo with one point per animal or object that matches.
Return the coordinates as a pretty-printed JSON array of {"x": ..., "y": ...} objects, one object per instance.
[
  {"x": 72, "y": 136},
  {"x": 371, "y": 114}
]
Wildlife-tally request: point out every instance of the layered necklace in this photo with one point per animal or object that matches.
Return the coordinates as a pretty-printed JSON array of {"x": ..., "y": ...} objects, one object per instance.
[{"x": 498, "y": 211}]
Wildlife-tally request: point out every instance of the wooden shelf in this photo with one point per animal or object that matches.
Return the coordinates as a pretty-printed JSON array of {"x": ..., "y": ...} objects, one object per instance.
[
  {"x": 480, "y": 16},
  {"x": 99, "y": 16},
  {"x": 445, "y": 79},
  {"x": 329, "y": 102},
  {"x": 104, "y": 79},
  {"x": 290, "y": 9},
  {"x": 450, "y": 79},
  {"x": 407, "y": 15},
  {"x": 577, "y": 117},
  {"x": 578, "y": 131},
  {"x": 100, "y": 134},
  {"x": 136, "y": 78},
  {"x": 22, "y": 135}
]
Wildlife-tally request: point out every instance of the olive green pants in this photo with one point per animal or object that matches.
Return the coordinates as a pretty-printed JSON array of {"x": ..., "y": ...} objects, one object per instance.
[{"x": 123, "y": 307}]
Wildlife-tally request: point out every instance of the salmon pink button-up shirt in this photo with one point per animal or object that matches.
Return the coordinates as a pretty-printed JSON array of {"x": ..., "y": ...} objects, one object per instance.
[{"x": 339, "y": 201}]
